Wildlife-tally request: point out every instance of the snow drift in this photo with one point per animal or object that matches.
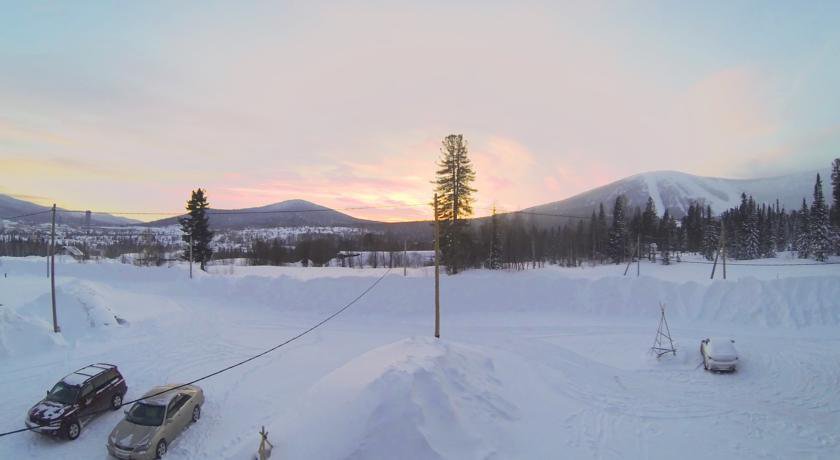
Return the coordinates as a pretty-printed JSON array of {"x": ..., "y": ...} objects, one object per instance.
[
  {"x": 424, "y": 398},
  {"x": 83, "y": 313}
]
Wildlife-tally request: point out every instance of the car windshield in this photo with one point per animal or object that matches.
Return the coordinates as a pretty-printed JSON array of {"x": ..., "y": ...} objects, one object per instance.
[
  {"x": 63, "y": 393},
  {"x": 146, "y": 414}
]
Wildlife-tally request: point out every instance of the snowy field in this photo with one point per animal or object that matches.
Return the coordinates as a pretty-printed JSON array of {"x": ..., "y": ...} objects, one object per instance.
[{"x": 539, "y": 364}]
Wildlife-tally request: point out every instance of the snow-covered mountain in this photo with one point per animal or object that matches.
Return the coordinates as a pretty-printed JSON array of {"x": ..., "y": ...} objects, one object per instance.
[
  {"x": 675, "y": 191},
  {"x": 10, "y": 207},
  {"x": 290, "y": 213}
]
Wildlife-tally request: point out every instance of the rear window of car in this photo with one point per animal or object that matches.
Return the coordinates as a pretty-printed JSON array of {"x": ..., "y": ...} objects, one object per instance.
[{"x": 722, "y": 346}]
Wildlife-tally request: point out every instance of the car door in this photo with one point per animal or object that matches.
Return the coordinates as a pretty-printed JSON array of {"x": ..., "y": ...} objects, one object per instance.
[
  {"x": 175, "y": 415},
  {"x": 102, "y": 397},
  {"x": 87, "y": 404}
]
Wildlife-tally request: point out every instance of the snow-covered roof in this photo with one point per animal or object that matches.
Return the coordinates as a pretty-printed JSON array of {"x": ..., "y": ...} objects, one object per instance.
[
  {"x": 84, "y": 374},
  {"x": 73, "y": 251},
  {"x": 163, "y": 398},
  {"x": 722, "y": 345}
]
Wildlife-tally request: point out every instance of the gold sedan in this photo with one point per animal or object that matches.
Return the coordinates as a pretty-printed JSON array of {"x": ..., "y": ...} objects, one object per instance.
[{"x": 150, "y": 425}]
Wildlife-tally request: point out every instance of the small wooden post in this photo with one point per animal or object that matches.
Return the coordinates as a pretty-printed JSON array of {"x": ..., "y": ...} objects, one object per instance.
[
  {"x": 405, "y": 257},
  {"x": 264, "y": 451},
  {"x": 56, "y": 329},
  {"x": 437, "y": 270}
]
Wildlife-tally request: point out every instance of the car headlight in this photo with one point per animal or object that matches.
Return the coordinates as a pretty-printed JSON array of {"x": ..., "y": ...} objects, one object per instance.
[{"x": 142, "y": 446}]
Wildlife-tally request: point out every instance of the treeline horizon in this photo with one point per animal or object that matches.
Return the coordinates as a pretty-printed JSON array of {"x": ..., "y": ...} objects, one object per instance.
[{"x": 515, "y": 240}]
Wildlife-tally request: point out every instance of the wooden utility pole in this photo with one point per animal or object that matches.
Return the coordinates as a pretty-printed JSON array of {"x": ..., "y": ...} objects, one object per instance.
[
  {"x": 437, "y": 270},
  {"x": 191, "y": 252},
  {"x": 405, "y": 257},
  {"x": 714, "y": 265},
  {"x": 638, "y": 252},
  {"x": 56, "y": 329},
  {"x": 638, "y": 255},
  {"x": 723, "y": 246}
]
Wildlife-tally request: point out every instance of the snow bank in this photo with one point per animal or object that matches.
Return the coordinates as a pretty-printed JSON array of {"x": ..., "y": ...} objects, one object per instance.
[
  {"x": 83, "y": 313},
  {"x": 424, "y": 398}
]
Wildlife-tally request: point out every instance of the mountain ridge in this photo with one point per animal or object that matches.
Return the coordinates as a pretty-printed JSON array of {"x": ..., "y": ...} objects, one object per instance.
[
  {"x": 675, "y": 191},
  {"x": 12, "y": 207}
]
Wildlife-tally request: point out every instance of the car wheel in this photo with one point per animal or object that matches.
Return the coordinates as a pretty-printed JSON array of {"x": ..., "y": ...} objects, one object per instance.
[
  {"x": 160, "y": 450},
  {"x": 116, "y": 401},
  {"x": 73, "y": 430},
  {"x": 196, "y": 413}
]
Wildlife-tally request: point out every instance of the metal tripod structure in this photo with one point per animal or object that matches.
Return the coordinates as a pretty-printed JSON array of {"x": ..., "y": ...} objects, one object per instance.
[{"x": 659, "y": 345}]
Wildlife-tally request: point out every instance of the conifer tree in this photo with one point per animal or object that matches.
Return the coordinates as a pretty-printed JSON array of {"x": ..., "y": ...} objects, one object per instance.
[
  {"x": 802, "y": 244},
  {"x": 195, "y": 225},
  {"x": 835, "y": 193},
  {"x": 455, "y": 175},
  {"x": 750, "y": 232},
  {"x": 603, "y": 232},
  {"x": 494, "y": 261},
  {"x": 818, "y": 225},
  {"x": 835, "y": 204},
  {"x": 666, "y": 231},
  {"x": 711, "y": 235},
  {"x": 618, "y": 231},
  {"x": 650, "y": 224}
]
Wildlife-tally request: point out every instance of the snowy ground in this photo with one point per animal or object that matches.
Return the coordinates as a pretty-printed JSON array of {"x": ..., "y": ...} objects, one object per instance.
[{"x": 548, "y": 363}]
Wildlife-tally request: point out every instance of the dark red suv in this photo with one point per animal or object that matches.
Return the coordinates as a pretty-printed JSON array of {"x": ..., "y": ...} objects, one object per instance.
[{"x": 76, "y": 399}]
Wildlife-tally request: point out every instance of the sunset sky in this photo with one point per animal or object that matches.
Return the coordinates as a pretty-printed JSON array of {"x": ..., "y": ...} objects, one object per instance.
[{"x": 130, "y": 105}]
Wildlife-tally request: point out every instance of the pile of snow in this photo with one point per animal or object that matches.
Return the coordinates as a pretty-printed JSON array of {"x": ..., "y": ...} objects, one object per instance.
[
  {"x": 83, "y": 313},
  {"x": 423, "y": 398}
]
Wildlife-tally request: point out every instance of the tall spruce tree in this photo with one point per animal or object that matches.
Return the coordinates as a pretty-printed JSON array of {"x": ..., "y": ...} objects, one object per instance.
[
  {"x": 818, "y": 225},
  {"x": 835, "y": 204},
  {"x": 835, "y": 193},
  {"x": 667, "y": 236},
  {"x": 649, "y": 225},
  {"x": 618, "y": 231},
  {"x": 455, "y": 175},
  {"x": 802, "y": 242},
  {"x": 494, "y": 261},
  {"x": 711, "y": 235},
  {"x": 195, "y": 226},
  {"x": 749, "y": 246}
]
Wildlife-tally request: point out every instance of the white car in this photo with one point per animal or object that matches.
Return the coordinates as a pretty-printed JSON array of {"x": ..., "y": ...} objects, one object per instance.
[{"x": 719, "y": 354}]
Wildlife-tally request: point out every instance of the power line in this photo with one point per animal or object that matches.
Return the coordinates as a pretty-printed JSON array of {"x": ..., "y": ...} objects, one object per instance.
[
  {"x": 545, "y": 214},
  {"x": 748, "y": 264},
  {"x": 232, "y": 366},
  {"x": 220, "y": 212},
  {"x": 26, "y": 215}
]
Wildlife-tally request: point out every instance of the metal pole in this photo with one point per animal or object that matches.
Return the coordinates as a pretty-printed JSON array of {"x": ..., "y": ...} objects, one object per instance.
[
  {"x": 190, "y": 253},
  {"x": 723, "y": 247},
  {"x": 405, "y": 258},
  {"x": 714, "y": 265},
  {"x": 437, "y": 270},
  {"x": 56, "y": 329},
  {"x": 638, "y": 254}
]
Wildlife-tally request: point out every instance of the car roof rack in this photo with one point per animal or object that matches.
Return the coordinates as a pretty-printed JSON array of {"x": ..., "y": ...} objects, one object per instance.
[{"x": 86, "y": 373}]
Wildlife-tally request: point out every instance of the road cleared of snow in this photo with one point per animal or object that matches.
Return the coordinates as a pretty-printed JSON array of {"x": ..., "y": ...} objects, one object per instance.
[{"x": 537, "y": 364}]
